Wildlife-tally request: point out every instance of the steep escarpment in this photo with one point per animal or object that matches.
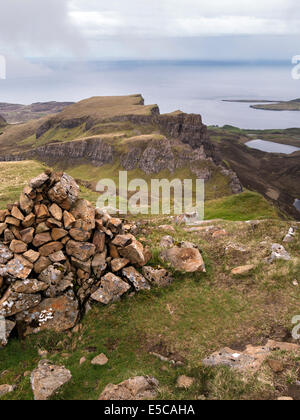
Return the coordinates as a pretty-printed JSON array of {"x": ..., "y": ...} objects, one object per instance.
[
  {"x": 93, "y": 150},
  {"x": 188, "y": 128}
]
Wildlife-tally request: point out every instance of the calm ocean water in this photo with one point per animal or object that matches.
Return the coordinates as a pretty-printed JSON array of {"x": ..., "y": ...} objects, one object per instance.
[{"x": 190, "y": 86}]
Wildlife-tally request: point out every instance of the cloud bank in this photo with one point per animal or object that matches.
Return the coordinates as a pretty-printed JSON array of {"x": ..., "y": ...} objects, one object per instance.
[{"x": 145, "y": 29}]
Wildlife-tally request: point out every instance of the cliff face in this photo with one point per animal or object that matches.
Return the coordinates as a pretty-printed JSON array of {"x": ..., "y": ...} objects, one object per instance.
[
  {"x": 151, "y": 156},
  {"x": 122, "y": 130},
  {"x": 93, "y": 150},
  {"x": 188, "y": 128}
]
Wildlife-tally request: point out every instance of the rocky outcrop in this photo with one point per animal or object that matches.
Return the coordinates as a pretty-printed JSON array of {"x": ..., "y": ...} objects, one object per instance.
[
  {"x": 188, "y": 128},
  {"x": 157, "y": 156},
  {"x": 93, "y": 150}
]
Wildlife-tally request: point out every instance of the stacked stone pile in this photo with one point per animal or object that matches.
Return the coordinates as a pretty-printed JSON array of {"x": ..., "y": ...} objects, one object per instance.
[{"x": 58, "y": 254}]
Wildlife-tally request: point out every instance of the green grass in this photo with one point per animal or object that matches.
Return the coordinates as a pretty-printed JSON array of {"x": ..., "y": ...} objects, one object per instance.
[
  {"x": 248, "y": 205},
  {"x": 14, "y": 176},
  {"x": 196, "y": 315}
]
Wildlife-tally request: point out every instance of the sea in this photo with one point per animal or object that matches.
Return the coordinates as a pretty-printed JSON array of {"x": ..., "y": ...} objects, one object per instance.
[{"x": 191, "y": 86}]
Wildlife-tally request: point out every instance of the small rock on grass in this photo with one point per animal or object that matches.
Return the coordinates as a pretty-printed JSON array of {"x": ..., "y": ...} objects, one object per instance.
[
  {"x": 5, "y": 389},
  {"x": 47, "y": 378},
  {"x": 100, "y": 360},
  {"x": 137, "y": 388},
  {"x": 245, "y": 269},
  {"x": 184, "y": 382}
]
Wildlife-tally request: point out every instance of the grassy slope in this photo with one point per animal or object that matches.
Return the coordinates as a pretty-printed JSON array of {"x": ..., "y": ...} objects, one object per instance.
[
  {"x": 96, "y": 108},
  {"x": 249, "y": 205},
  {"x": 198, "y": 314}
]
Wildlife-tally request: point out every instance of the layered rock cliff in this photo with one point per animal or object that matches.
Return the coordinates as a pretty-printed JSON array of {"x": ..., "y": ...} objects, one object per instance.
[{"x": 103, "y": 131}]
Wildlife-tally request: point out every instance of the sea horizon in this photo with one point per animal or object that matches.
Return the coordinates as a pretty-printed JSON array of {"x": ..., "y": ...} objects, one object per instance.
[{"x": 193, "y": 86}]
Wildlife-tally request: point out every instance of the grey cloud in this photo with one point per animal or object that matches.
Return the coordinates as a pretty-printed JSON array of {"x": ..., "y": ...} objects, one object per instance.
[{"x": 38, "y": 27}]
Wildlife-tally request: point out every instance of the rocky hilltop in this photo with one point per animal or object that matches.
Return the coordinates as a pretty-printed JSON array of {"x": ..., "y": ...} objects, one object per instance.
[{"x": 109, "y": 130}]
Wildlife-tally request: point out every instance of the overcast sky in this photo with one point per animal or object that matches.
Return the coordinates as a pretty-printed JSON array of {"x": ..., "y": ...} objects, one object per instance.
[{"x": 139, "y": 29}]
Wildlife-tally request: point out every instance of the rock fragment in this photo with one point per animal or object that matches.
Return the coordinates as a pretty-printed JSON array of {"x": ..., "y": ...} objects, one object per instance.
[{"x": 47, "y": 378}]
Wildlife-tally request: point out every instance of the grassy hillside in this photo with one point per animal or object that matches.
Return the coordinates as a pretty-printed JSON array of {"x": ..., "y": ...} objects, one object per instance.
[
  {"x": 245, "y": 206},
  {"x": 102, "y": 110}
]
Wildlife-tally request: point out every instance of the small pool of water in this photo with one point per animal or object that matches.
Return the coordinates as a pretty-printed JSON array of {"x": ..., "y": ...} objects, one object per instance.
[
  {"x": 271, "y": 147},
  {"x": 297, "y": 204}
]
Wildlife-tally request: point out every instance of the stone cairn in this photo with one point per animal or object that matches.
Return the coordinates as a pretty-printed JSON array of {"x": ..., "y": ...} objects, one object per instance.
[{"x": 58, "y": 254}]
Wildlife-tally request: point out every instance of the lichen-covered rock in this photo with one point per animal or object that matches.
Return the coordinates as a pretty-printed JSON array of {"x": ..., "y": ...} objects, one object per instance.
[
  {"x": 84, "y": 210},
  {"x": 118, "y": 263},
  {"x": 47, "y": 378},
  {"x": 64, "y": 192},
  {"x": 137, "y": 388},
  {"x": 38, "y": 181},
  {"x": 13, "y": 303},
  {"x": 99, "y": 264},
  {"x": 80, "y": 250},
  {"x": 52, "y": 275},
  {"x": 136, "y": 279},
  {"x": 184, "y": 259},
  {"x": 159, "y": 277},
  {"x": 5, "y": 254},
  {"x": 58, "y": 314},
  {"x": 6, "y": 327},
  {"x": 279, "y": 253},
  {"x": 135, "y": 253},
  {"x": 111, "y": 289},
  {"x": 29, "y": 286},
  {"x": 19, "y": 267}
]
